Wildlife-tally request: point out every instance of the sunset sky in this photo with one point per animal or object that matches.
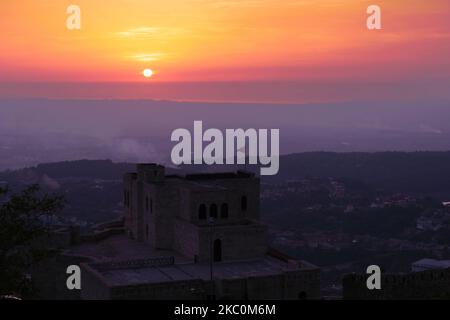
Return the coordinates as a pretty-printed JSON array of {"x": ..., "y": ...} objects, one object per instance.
[{"x": 311, "y": 44}]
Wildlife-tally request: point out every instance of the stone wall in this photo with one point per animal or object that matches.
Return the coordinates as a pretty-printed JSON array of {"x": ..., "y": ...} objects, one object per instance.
[
  {"x": 250, "y": 188},
  {"x": 299, "y": 284},
  {"x": 302, "y": 284},
  {"x": 187, "y": 240},
  {"x": 93, "y": 285},
  {"x": 166, "y": 208},
  {"x": 130, "y": 204},
  {"x": 239, "y": 242},
  {"x": 149, "y": 223},
  {"x": 179, "y": 290},
  {"x": 431, "y": 284}
]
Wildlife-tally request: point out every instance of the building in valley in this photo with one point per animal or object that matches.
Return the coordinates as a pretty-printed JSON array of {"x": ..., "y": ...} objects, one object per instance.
[{"x": 199, "y": 237}]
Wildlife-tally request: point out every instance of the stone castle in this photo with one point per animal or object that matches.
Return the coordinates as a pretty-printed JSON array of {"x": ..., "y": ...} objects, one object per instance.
[
  {"x": 178, "y": 213},
  {"x": 202, "y": 238}
]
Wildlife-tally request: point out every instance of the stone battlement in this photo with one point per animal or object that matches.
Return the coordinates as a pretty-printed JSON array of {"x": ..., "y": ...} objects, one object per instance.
[{"x": 131, "y": 264}]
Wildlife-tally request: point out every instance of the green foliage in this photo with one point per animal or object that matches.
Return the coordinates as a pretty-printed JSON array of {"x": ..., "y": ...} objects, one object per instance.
[{"x": 23, "y": 231}]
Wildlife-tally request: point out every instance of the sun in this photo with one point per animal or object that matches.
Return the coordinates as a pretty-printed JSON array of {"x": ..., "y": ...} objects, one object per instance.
[{"x": 147, "y": 73}]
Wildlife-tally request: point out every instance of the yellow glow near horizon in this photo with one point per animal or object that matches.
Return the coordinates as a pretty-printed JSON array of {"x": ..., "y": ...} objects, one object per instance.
[{"x": 212, "y": 40}]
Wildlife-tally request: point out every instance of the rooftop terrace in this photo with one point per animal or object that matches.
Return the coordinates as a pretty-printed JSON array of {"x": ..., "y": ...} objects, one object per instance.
[{"x": 121, "y": 261}]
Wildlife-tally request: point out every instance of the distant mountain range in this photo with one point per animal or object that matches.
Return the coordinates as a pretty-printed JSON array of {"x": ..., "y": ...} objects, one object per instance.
[
  {"x": 411, "y": 172},
  {"x": 36, "y": 131}
]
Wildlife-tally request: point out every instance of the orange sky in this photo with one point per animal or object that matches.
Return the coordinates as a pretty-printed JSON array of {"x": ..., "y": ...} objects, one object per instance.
[{"x": 219, "y": 40}]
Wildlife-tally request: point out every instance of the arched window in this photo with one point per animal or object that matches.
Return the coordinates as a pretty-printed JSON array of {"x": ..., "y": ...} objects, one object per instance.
[
  {"x": 213, "y": 211},
  {"x": 217, "y": 250},
  {"x": 224, "y": 211},
  {"x": 244, "y": 203},
  {"x": 202, "y": 212}
]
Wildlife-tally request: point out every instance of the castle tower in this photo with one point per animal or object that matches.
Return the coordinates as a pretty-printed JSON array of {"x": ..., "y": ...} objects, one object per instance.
[{"x": 196, "y": 215}]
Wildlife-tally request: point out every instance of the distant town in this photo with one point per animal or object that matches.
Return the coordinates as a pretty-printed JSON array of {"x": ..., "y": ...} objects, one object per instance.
[{"x": 340, "y": 223}]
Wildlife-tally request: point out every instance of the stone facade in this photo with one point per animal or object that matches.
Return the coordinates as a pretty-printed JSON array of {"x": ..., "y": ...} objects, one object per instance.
[
  {"x": 183, "y": 213},
  {"x": 207, "y": 232},
  {"x": 244, "y": 280},
  {"x": 430, "y": 284}
]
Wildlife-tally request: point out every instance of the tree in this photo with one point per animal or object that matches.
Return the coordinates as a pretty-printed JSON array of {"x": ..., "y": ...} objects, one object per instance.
[{"x": 23, "y": 229}]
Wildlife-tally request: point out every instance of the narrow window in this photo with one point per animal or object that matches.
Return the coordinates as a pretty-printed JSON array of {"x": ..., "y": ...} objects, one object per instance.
[
  {"x": 224, "y": 211},
  {"x": 127, "y": 199},
  {"x": 244, "y": 203},
  {"x": 213, "y": 211},
  {"x": 217, "y": 250},
  {"x": 202, "y": 212}
]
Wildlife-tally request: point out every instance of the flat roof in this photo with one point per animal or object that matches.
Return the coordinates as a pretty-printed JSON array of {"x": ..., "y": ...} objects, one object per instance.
[
  {"x": 121, "y": 247},
  {"x": 195, "y": 271},
  {"x": 116, "y": 249},
  {"x": 121, "y": 277}
]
